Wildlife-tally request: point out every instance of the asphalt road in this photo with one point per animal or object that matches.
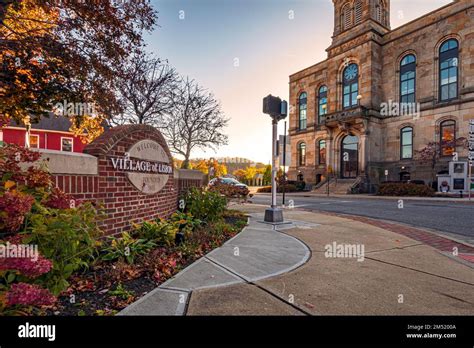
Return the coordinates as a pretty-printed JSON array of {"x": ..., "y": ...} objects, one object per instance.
[{"x": 449, "y": 218}]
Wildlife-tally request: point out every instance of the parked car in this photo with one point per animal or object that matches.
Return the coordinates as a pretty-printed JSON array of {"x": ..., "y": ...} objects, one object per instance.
[
  {"x": 227, "y": 181},
  {"x": 238, "y": 189}
]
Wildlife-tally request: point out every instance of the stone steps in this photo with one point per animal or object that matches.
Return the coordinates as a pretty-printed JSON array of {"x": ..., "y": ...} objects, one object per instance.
[{"x": 339, "y": 186}]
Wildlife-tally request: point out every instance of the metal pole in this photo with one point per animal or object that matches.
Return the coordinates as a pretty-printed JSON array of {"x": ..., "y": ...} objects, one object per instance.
[
  {"x": 284, "y": 164},
  {"x": 469, "y": 179},
  {"x": 328, "y": 178},
  {"x": 274, "y": 166}
]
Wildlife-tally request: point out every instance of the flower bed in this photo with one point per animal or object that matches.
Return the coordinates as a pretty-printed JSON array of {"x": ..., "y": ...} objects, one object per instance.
[
  {"x": 110, "y": 286},
  {"x": 53, "y": 260}
]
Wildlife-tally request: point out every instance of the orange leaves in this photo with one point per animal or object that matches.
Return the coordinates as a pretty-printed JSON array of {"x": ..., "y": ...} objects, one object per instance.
[
  {"x": 29, "y": 19},
  {"x": 87, "y": 127}
]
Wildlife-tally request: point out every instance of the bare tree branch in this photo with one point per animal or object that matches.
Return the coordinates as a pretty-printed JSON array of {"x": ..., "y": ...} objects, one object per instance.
[{"x": 195, "y": 121}]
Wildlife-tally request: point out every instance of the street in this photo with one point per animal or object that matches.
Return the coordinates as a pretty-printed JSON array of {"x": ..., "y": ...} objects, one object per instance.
[{"x": 451, "y": 219}]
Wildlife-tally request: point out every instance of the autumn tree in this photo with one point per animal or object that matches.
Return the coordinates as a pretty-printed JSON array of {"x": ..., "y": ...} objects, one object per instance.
[
  {"x": 219, "y": 169},
  {"x": 267, "y": 174},
  {"x": 250, "y": 173},
  {"x": 239, "y": 174},
  {"x": 53, "y": 51},
  {"x": 195, "y": 121}
]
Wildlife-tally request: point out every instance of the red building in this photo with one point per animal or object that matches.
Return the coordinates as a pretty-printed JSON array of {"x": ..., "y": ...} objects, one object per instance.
[{"x": 50, "y": 133}]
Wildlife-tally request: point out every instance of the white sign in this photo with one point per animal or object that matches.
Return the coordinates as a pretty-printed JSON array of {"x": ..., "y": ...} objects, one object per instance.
[
  {"x": 386, "y": 172},
  {"x": 146, "y": 164}
]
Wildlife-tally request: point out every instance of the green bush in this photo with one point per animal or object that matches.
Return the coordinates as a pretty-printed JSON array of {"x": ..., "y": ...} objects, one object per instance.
[
  {"x": 405, "y": 189},
  {"x": 160, "y": 232},
  {"x": 185, "y": 222},
  {"x": 204, "y": 205},
  {"x": 65, "y": 236},
  {"x": 126, "y": 248}
]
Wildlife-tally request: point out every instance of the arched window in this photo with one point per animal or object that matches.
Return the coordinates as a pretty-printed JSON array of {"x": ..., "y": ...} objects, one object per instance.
[
  {"x": 301, "y": 154},
  {"x": 323, "y": 103},
  {"x": 358, "y": 12},
  {"x": 303, "y": 106},
  {"x": 350, "y": 86},
  {"x": 448, "y": 137},
  {"x": 322, "y": 152},
  {"x": 448, "y": 70},
  {"x": 408, "y": 79},
  {"x": 346, "y": 19},
  {"x": 406, "y": 143}
]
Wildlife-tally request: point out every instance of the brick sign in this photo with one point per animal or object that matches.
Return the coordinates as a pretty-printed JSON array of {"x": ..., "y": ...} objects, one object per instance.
[
  {"x": 147, "y": 166},
  {"x": 133, "y": 180}
]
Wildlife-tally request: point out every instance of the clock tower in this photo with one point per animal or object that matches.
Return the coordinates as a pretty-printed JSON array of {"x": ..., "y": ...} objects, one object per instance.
[{"x": 355, "y": 17}]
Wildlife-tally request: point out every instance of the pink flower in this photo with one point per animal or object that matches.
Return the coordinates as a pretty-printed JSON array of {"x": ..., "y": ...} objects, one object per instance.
[
  {"x": 26, "y": 266},
  {"x": 14, "y": 207},
  {"x": 59, "y": 200},
  {"x": 29, "y": 295}
]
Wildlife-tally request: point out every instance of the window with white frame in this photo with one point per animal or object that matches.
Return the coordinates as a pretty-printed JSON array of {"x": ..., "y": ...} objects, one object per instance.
[
  {"x": 34, "y": 141},
  {"x": 66, "y": 144}
]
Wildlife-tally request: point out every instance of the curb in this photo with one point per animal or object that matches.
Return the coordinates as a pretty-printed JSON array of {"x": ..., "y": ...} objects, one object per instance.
[{"x": 167, "y": 299}]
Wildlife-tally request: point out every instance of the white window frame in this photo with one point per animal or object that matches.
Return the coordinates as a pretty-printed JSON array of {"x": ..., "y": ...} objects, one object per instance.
[
  {"x": 72, "y": 143},
  {"x": 36, "y": 136}
]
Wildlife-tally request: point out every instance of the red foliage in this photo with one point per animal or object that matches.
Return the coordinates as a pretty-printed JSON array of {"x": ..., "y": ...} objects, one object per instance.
[
  {"x": 26, "y": 266},
  {"x": 59, "y": 200},
  {"x": 37, "y": 178},
  {"x": 11, "y": 156},
  {"x": 13, "y": 208},
  {"x": 29, "y": 295}
]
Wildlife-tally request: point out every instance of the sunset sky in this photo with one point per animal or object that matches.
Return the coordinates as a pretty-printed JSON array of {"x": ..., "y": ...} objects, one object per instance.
[{"x": 243, "y": 50}]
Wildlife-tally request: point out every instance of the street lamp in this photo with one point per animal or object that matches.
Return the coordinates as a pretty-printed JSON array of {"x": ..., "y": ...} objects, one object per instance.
[{"x": 277, "y": 109}]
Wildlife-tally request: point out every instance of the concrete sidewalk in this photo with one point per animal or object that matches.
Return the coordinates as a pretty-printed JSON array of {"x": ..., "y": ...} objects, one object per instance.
[
  {"x": 268, "y": 272},
  {"x": 256, "y": 253}
]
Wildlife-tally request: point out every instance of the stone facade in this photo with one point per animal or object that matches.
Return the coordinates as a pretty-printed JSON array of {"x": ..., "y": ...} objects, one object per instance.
[{"x": 362, "y": 36}]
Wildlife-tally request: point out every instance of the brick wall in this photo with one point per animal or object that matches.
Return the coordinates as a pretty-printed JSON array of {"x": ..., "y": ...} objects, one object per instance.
[{"x": 122, "y": 202}]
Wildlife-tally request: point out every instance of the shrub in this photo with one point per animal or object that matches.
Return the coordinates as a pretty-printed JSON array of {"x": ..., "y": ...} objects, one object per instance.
[
  {"x": 204, "y": 205},
  {"x": 29, "y": 295},
  {"x": 159, "y": 231},
  {"x": 288, "y": 188},
  {"x": 401, "y": 189},
  {"x": 185, "y": 221},
  {"x": 65, "y": 236},
  {"x": 32, "y": 211},
  {"x": 229, "y": 191},
  {"x": 126, "y": 248},
  {"x": 13, "y": 209}
]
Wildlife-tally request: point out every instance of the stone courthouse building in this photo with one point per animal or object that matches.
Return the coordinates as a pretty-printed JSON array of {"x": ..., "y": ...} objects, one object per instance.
[{"x": 383, "y": 94}]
